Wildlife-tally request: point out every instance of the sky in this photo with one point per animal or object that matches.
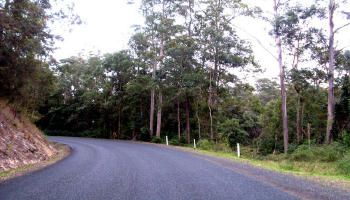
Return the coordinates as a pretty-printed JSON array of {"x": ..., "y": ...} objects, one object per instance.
[
  {"x": 108, "y": 25},
  {"x": 106, "y": 28}
]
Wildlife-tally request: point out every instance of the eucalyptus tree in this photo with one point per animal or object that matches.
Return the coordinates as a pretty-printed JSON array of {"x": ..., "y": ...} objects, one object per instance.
[
  {"x": 70, "y": 72},
  {"x": 333, "y": 10},
  {"x": 140, "y": 49},
  {"x": 120, "y": 69},
  {"x": 181, "y": 52},
  {"x": 298, "y": 37},
  {"x": 159, "y": 26},
  {"x": 221, "y": 48},
  {"x": 330, "y": 119},
  {"x": 144, "y": 60},
  {"x": 329, "y": 56},
  {"x": 136, "y": 101},
  {"x": 278, "y": 40},
  {"x": 182, "y": 74}
]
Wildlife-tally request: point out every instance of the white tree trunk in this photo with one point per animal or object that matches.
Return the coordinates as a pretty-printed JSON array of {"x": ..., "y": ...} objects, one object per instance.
[
  {"x": 178, "y": 120},
  {"x": 159, "y": 114},
  {"x": 151, "y": 114},
  {"x": 160, "y": 95},
  {"x": 330, "y": 117},
  {"x": 283, "y": 89}
]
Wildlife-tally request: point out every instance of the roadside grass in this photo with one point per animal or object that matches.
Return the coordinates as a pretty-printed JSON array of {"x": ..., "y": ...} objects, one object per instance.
[
  {"x": 8, "y": 173},
  {"x": 336, "y": 169}
]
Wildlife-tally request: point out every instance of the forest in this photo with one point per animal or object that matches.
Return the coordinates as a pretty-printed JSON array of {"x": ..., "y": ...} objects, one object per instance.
[{"x": 182, "y": 77}]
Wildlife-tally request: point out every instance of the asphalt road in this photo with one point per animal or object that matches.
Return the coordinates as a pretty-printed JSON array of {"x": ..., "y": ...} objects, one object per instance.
[{"x": 106, "y": 169}]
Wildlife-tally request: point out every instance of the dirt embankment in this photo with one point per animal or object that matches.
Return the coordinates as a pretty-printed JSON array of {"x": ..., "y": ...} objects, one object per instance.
[{"x": 21, "y": 143}]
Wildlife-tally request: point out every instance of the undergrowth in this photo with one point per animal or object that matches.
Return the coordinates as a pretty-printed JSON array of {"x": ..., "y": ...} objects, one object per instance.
[{"x": 321, "y": 160}]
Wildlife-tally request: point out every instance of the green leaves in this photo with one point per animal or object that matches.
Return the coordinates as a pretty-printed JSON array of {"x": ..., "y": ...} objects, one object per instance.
[
  {"x": 231, "y": 129},
  {"x": 25, "y": 41}
]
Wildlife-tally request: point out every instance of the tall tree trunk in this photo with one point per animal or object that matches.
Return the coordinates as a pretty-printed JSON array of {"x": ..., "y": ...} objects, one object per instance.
[
  {"x": 298, "y": 119},
  {"x": 189, "y": 28},
  {"x": 141, "y": 111},
  {"x": 211, "y": 124},
  {"x": 209, "y": 105},
  {"x": 105, "y": 132},
  {"x": 151, "y": 114},
  {"x": 160, "y": 95},
  {"x": 309, "y": 134},
  {"x": 205, "y": 125},
  {"x": 134, "y": 136},
  {"x": 188, "y": 121},
  {"x": 298, "y": 90},
  {"x": 302, "y": 121},
  {"x": 330, "y": 117},
  {"x": 119, "y": 125},
  {"x": 198, "y": 121},
  {"x": 283, "y": 89},
  {"x": 159, "y": 114},
  {"x": 178, "y": 120}
]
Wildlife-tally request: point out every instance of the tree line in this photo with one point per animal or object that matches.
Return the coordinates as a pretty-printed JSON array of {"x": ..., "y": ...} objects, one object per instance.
[{"x": 181, "y": 77}]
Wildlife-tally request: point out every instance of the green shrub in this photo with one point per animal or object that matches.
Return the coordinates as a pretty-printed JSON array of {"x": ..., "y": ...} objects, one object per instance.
[
  {"x": 302, "y": 155},
  {"x": 237, "y": 136},
  {"x": 325, "y": 153},
  {"x": 222, "y": 147},
  {"x": 144, "y": 136},
  {"x": 231, "y": 129},
  {"x": 174, "y": 142},
  {"x": 346, "y": 138},
  {"x": 265, "y": 146},
  {"x": 205, "y": 145},
  {"x": 292, "y": 147},
  {"x": 344, "y": 165},
  {"x": 334, "y": 152},
  {"x": 157, "y": 140},
  {"x": 183, "y": 140}
]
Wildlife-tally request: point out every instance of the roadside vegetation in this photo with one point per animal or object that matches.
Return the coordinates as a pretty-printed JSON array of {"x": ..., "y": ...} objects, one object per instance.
[
  {"x": 184, "y": 76},
  {"x": 331, "y": 161}
]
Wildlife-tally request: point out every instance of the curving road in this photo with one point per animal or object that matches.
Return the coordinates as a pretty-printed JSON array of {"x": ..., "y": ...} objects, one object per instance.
[{"x": 106, "y": 169}]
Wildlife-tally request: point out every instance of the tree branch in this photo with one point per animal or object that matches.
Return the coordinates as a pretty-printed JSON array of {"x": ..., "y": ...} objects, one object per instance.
[
  {"x": 345, "y": 25},
  {"x": 259, "y": 42}
]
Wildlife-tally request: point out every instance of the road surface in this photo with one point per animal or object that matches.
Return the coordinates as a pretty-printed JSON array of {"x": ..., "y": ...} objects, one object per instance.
[{"x": 107, "y": 169}]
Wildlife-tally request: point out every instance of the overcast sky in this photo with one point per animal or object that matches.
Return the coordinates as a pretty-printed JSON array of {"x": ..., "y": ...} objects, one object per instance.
[{"x": 108, "y": 26}]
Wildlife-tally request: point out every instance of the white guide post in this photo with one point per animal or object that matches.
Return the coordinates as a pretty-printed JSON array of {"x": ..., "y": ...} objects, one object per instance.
[
  {"x": 238, "y": 151},
  {"x": 194, "y": 144},
  {"x": 166, "y": 139}
]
